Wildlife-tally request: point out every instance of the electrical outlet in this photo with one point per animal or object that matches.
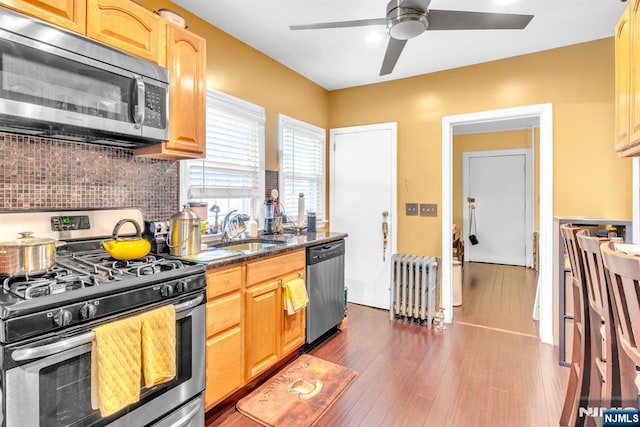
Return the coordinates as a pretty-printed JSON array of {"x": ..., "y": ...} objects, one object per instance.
[
  {"x": 411, "y": 209},
  {"x": 428, "y": 209}
]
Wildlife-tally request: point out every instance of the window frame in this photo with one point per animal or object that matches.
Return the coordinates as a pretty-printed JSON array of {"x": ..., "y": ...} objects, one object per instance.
[
  {"x": 287, "y": 121},
  {"x": 230, "y": 104}
]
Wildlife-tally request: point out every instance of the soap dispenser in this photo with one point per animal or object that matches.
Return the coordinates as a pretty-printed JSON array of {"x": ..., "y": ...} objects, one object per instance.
[{"x": 252, "y": 228}]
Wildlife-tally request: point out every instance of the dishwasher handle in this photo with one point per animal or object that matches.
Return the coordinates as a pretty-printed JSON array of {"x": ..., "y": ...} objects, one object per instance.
[{"x": 319, "y": 253}]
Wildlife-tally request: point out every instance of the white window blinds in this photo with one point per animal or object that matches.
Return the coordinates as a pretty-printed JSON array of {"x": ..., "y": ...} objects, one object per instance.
[
  {"x": 302, "y": 167},
  {"x": 234, "y": 166}
]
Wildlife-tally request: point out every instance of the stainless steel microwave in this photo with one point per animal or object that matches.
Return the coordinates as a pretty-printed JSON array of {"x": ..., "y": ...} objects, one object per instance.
[{"x": 58, "y": 84}]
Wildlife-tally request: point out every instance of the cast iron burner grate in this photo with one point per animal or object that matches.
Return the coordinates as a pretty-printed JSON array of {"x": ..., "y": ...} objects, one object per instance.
[
  {"x": 55, "y": 281},
  {"x": 83, "y": 269}
]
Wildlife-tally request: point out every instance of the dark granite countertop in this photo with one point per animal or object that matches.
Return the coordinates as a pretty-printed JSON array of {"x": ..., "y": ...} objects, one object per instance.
[{"x": 219, "y": 257}]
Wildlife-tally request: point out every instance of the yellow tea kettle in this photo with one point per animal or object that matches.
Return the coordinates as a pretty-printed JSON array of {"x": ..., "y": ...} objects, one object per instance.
[{"x": 127, "y": 248}]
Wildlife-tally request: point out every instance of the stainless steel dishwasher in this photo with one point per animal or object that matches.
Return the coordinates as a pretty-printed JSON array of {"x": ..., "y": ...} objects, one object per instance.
[{"x": 325, "y": 286}]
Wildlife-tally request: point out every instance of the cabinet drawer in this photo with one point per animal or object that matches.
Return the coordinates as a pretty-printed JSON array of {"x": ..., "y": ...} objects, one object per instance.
[
  {"x": 260, "y": 271},
  {"x": 223, "y": 313},
  {"x": 220, "y": 282}
]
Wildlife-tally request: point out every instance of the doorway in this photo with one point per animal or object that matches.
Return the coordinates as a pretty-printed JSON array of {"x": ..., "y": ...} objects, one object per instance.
[
  {"x": 497, "y": 194},
  {"x": 362, "y": 199},
  {"x": 510, "y": 118}
]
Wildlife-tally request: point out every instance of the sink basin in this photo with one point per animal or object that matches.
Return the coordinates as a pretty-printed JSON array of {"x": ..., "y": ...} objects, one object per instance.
[
  {"x": 249, "y": 246},
  {"x": 213, "y": 254}
]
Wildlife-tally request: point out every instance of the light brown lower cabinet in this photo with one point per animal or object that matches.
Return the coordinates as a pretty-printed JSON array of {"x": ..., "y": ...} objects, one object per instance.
[
  {"x": 261, "y": 328},
  {"x": 248, "y": 328},
  {"x": 224, "y": 365},
  {"x": 293, "y": 325}
]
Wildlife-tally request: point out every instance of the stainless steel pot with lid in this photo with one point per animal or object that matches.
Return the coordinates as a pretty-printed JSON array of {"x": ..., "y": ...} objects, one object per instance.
[
  {"x": 27, "y": 255},
  {"x": 185, "y": 236}
]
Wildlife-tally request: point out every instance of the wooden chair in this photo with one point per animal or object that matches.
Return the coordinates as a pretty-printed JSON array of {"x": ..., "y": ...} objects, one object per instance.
[
  {"x": 604, "y": 390},
  {"x": 579, "y": 377},
  {"x": 624, "y": 280}
]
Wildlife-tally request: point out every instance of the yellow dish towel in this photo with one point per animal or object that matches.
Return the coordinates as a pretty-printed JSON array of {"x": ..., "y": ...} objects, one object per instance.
[
  {"x": 115, "y": 366},
  {"x": 159, "y": 345},
  {"x": 295, "y": 294}
]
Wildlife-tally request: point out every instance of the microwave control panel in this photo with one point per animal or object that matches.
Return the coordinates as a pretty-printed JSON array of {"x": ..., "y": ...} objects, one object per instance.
[{"x": 155, "y": 108}]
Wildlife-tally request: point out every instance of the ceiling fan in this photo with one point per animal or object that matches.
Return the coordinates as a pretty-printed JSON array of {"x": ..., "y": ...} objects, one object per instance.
[{"x": 407, "y": 19}]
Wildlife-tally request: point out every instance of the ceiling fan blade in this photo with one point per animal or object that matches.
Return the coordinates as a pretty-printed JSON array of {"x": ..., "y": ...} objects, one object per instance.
[
  {"x": 394, "y": 49},
  {"x": 463, "y": 20},
  {"x": 341, "y": 24}
]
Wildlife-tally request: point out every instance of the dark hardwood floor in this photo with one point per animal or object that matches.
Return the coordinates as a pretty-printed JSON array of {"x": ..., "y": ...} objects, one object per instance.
[{"x": 466, "y": 375}]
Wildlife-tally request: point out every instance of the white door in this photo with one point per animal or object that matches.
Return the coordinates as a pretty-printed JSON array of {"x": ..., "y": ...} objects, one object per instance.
[
  {"x": 496, "y": 188},
  {"x": 363, "y": 188}
]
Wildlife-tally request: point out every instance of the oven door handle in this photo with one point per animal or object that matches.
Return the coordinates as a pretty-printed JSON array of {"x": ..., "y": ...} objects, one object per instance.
[
  {"x": 184, "y": 306},
  {"x": 49, "y": 349},
  {"x": 193, "y": 408},
  {"x": 76, "y": 341}
]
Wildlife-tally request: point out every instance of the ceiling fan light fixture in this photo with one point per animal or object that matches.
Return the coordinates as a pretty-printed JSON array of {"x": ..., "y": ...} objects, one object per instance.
[{"x": 407, "y": 25}]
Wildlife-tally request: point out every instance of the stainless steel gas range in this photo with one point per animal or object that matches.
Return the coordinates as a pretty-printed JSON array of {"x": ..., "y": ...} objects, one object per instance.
[{"x": 47, "y": 324}]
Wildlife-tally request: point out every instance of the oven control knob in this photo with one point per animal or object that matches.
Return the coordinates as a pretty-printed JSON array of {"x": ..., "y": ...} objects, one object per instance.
[
  {"x": 88, "y": 311},
  {"x": 166, "y": 290},
  {"x": 62, "y": 318},
  {"x": 182, "y": 286}
]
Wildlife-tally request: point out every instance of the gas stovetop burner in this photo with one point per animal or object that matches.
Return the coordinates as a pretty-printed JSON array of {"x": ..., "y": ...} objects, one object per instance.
[
  {"x": 86, "y": 284},
  {"x": 83, "y": 269},
  {"x": 55, "y": 281},
  {"x": 99, "y": 262}
]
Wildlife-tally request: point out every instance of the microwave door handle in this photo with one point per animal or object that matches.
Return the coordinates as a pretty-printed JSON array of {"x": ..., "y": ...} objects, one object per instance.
[
  {"x": 138, "y": 115},
  {"x": 86, "y": 338}
]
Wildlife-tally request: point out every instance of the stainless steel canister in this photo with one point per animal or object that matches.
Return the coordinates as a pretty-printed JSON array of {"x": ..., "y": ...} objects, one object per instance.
[{"x": 185, "y": 234}]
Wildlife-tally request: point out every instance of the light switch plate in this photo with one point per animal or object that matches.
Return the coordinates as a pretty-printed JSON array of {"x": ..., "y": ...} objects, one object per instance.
[
  {"x": 428, "y": 209},
  {"x": 411, "y": 209}
]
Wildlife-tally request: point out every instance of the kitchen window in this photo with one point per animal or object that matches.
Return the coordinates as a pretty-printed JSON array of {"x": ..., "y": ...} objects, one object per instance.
[
  {"x": 232, "y": 174},
  {"x": 302, "y": 167}
]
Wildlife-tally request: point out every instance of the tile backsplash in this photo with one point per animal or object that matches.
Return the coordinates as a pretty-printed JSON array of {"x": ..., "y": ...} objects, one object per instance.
[{"x": 41, "y": 173}]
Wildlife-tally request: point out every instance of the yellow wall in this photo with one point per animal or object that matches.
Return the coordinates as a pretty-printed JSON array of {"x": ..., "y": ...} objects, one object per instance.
[
  {"x": 241, "y": 71},
  {"x": 488, "y": 142},
  {"x": 589, "y": 178}
]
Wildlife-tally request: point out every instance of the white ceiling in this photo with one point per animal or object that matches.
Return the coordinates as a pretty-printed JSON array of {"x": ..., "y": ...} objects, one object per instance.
[{"x": 345, "y": 57}]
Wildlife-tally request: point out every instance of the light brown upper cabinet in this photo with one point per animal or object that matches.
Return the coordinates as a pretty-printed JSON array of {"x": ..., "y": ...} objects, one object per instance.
[
  {"x": 627, "y": 84},
  {"x": 129, "y": 27},
  {"x": 69, "y": 14},
  {"x": 186, "y": 61}
]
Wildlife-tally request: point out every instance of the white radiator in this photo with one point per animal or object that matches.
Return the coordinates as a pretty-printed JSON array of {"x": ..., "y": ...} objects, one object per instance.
[{"x": 414, "y": 288}]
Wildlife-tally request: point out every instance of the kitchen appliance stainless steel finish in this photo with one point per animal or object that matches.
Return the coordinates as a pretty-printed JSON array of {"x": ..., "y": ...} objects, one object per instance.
[
  {"x": 185, "y": 233},
  {"x": 325, "y": 286},
  {"x": 59, "y": 84},
  {"x": 27, "y": 255},
  {"x": 47, "y": 323}
]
